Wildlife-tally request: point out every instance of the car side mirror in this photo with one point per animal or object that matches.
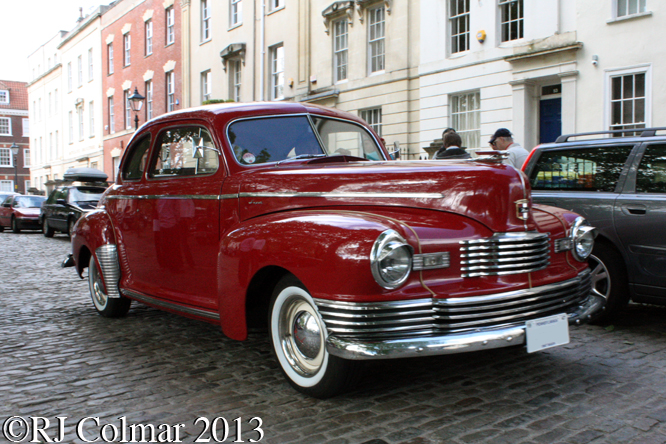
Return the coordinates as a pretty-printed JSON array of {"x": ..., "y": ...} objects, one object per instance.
[{"x": 60, "y": 201}]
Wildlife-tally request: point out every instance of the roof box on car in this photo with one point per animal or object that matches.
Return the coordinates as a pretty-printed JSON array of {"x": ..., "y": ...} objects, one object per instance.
[{"x": 85, "y": 175}]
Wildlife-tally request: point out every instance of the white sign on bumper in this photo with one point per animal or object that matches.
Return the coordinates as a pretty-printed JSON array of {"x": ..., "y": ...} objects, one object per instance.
[{"x": 547, "y": 332}]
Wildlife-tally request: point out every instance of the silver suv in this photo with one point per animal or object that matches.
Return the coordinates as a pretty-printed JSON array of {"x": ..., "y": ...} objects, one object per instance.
[{"x": 617, "y": 181}]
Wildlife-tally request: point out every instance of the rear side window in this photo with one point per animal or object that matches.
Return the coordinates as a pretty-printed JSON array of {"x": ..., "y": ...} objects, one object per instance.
[
  {"x": 651, "y": 174},
  {"x": 135, "y": 163},
  {"x": 346, "y": 138},
  {"x": 185, "y": 151},
  {"x": 580, "y": 169}
]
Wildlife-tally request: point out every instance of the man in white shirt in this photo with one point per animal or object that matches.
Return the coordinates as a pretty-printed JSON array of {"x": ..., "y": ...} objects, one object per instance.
[{"x": 502, "y": 140}]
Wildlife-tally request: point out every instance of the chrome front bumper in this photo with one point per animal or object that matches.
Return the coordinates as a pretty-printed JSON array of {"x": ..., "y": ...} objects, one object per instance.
[{"x": 442, "y": 344}]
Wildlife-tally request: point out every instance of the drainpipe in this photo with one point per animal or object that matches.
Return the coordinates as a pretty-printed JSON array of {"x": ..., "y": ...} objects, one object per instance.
[{"x": 262, "y": 78}]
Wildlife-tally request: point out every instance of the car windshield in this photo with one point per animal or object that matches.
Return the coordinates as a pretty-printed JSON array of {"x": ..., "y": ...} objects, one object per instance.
[
  {"x": 28, "y": 202},
  {"x": 82, "y": 194}
]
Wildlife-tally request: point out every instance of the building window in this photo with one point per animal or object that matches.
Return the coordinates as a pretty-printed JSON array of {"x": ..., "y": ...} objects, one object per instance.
[
  {"x": 629, "y": 7},
  {"x": 128, "y": 46},
  {"x": 39, "y": 109},
  {"x": 50, "y": 107},
  {"x": 51, "y": 154},
  {"x": 149, "y": 37},
  {"x": 55, "y": 102},
  {"x": 466, "y": 117},
  {"x": 459, "y": 25},
  {"x": 112, "y": 125},
  {"x": 57, "y": 144},
  {"x": 205, "y": 20},
  {"x": 628, "y": 101},
  {"x": 128, "y": 110},
  {"x": 374, "y": 118},
  {"x": 376, "y": 34},
  {"x": 71, "y": 128},
  {"x": 79, "y": 61},
  {"x": 171, "y": 91},
  {"x": 26, "y": 158},
  {"x": 511, "y": 19},
  {"x": 6, "y": 185},
  {"x": 277, "y": 72},
  {"x": 5, "y": 126},
  {"x": 236, "y": 13},
  {"x": 79, "y": 112},
  {"x": 26, "y": 127},
  {"x": 6, "y": 157},
  {"x": 170, "y": 22},
  {"x": 4, "y": 96},
  {"x": 109, "y": 55},
  {"x": 340, "y": 49},
  {"x": 69, "y": 77},
  {"x": 235, "y": 79},
  {"x": 205, "y": 85},
  {"x": 91, "y": 116},
  {"x": 275, "y": 4},
  {"x": 149, "y": 100},
  {"x": 90, "y": 64}
]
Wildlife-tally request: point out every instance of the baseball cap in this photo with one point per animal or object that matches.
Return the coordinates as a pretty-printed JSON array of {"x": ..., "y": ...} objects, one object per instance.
[{"x": 502, "y": 132}]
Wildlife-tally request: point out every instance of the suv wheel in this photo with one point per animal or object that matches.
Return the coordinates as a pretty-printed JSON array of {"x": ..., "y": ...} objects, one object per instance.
[
  {"x": 46, "y": 228},
  {"x": 609, "y": 280}
]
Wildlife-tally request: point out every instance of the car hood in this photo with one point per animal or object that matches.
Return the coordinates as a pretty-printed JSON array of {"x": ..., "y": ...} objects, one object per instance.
[{"x": 488, "y": 193}]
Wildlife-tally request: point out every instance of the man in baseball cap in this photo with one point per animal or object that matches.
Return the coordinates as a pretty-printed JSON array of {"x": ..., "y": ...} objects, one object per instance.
[{"x": 502, "y": 140}]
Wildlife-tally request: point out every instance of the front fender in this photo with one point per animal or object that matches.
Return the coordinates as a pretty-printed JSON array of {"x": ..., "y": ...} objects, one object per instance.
[{"x": 92, "y": 230}]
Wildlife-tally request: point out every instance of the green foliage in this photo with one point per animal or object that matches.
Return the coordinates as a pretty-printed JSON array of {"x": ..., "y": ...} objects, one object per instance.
[{"x": 211, "y": 101}]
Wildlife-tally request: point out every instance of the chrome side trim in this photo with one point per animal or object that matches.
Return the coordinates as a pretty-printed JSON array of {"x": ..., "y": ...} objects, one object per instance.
[
  {"x": 349, "y": 195},
  {"x": 183, "y": 196},
  {"x": 170, "y": 305},
  {"x": 107, "y": 256}
]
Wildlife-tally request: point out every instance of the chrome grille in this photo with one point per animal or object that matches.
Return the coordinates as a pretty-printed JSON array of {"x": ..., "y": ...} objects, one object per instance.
[
  {"x": 505, "y": 253},
  {"x": 436, "y": 316}
]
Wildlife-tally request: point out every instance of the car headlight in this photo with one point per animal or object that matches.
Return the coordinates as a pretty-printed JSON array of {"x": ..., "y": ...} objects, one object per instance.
[
  {"x": 391, "y": 259},
  {"x": 582, "y": 236}
]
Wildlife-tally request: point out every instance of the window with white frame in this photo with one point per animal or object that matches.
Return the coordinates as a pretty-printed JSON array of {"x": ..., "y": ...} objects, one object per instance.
[
  {"x": 79, "y": 62},
  {"x": 128, "y": 110},
  {"x": 459, "y": 25},
  {"x": 51, "y": 152},
  {"x": 373, "y": 117},
  {"x": 628, "y": 97},
  {"x": 277, "y": 72},
  {"x": 340, "y": 49},
  {"x": 205, "y": 85},
  {"x": 149, "y": 100},
  {"x": 6, "y": 185},
  {"x": 39, "y": 109},
  {"x": 55, "y": 102},
  {"x": 624, "y": 8},
  {"x": 50, "y": 105},
  {"x": 26, "y": 127},
  {"x": 511, "y": 19},
  {"x": 112, "y": 120},
  {"x": 6, "y": 157},
  {"x": 170, "y": 23},
  {"x": 79, "y": 112},
  {"x": 69, "y": 77},
  {"x": 205, "y": 20},
  {"x": 27, "y": 185},
  {"x": 236, "y": 12},
  {"x": 4, "y": 96},
  {"x": 90, "y": 65},
  {"x": 57, "y": 144},
  {"x": 235, "y": 80},
  {"x": 127, "y": 44},
  {"x": 465, "y": 109},
  {"x": 5, "y": 126},
  {"x": 109, "y": 56},
  {"x": 275, "y": 4},
  {"x": 71, "y": 127},
  {"x": 91, "y": 118},
  {"x": 171, "y": 91},
  {"x": 149, "y": 37},
  {"x": 26, "y": 157},
  {"x": 376, "y": 34}
]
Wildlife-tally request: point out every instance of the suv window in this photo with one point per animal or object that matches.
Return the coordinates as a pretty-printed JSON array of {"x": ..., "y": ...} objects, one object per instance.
[
  {"x": 135, "y": 164},
  {"x": 580, "y": 169},
  {"x": 651, "y": 174},
  {"x": 185, "y": 151}
]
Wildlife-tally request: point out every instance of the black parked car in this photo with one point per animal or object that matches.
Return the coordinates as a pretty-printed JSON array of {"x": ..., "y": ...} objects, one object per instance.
[
  {"x": 617, "y": 181},
  {"x": 68, "y": 202}
]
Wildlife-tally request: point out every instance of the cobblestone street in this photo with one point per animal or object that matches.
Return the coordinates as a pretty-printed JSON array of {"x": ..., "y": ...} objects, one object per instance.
[{"x": 60, "y": 359}]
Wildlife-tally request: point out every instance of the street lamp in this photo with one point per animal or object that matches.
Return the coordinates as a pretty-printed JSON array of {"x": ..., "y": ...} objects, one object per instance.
[
  {"x": 15, "y": 151},
  {"x": 136, "y": 103}
]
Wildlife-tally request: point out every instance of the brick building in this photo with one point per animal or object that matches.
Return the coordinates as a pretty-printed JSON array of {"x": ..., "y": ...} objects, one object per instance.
[
  {"x": 14, "y": 129},
  {"x": 141, "y": 51}
]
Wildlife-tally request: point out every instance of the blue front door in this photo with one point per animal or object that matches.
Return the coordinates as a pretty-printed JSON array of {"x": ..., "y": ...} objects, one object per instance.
[{"x": 550, "y": 120}]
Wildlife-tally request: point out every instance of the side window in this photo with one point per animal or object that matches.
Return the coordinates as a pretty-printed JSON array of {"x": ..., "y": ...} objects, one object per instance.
[
  {"x": 344, "y": 138},
  {"x": 651, "y": 174},
  {"x": 135, "y": 162},
  {"x": 580, "y": 169},
  {"x": 185, "y": 151}
]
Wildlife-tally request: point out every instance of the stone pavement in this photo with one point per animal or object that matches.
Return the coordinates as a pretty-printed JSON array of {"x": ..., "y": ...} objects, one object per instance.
[{"x": 58, "y": 358}]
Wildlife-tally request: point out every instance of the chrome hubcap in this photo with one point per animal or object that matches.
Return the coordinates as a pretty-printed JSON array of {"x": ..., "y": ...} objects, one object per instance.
[
  {"x": 301, "y": 336},
  {"x": 601, "y": 284},
  {"x": 97, "y": 289},
  {"x": 307, "y": 334}
]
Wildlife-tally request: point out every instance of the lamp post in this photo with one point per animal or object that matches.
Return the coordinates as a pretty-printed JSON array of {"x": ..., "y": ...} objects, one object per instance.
[
  {"x": 15, "y": 151},
  {"x": 136, "y": 103}
]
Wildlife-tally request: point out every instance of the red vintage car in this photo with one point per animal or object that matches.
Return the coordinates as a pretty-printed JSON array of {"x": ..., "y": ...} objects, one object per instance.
[
  {"x": 20, "y": 212},
  {"x": 294, "y": 217}
]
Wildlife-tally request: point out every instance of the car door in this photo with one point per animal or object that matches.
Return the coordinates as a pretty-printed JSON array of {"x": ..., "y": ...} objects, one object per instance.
[
  {"x": 60, "y": 210},
  {"x": 171, "y": 222},
  {"x": 640, "y": 220}
]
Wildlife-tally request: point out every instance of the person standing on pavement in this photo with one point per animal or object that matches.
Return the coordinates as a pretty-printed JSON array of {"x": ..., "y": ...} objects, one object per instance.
[
  {"x": 451, "y": 148},
  {"x": 502, "y": 140}
]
